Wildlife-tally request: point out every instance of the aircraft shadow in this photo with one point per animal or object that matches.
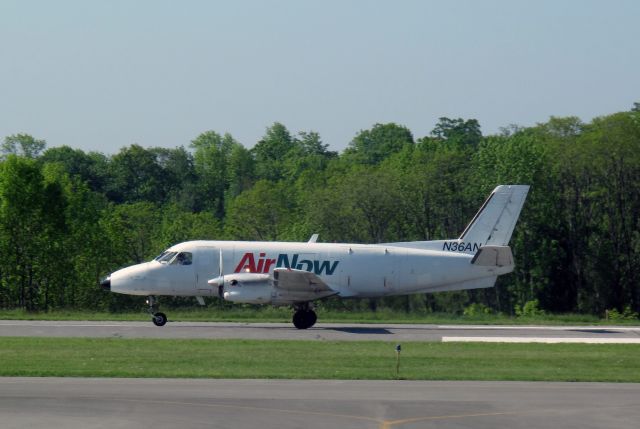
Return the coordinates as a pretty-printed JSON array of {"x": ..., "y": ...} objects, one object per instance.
[
  {"x": 363, "y": 330},
  {"x": 596, "y": 331}
]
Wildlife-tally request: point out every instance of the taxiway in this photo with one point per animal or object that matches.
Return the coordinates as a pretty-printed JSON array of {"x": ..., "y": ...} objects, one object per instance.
[{"x": 77, "y": 403}]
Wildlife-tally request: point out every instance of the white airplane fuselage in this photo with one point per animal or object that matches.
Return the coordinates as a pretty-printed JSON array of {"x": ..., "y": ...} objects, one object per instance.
[{"x": 350, "y": 270}]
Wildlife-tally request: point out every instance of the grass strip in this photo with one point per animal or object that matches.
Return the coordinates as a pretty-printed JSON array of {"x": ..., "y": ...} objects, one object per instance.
[{"x": 107, "y": 357}]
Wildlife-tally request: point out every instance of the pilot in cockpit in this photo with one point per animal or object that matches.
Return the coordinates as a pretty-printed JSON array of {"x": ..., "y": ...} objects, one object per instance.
[{"x": 183, "y": 258}]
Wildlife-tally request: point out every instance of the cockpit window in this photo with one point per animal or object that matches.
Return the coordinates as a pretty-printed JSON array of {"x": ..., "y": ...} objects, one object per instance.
[
  {"x": 166, "y": 257},
  {"x": 183, "y": 258}
]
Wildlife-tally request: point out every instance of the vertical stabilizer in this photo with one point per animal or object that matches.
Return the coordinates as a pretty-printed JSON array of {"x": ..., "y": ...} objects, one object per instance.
[{"x": 494, "y": 223}]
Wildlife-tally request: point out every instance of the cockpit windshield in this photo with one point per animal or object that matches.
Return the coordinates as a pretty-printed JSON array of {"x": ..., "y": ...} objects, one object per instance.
[
  {"x": 165, "y": 257},
  {"x": 175, "y": 258}
]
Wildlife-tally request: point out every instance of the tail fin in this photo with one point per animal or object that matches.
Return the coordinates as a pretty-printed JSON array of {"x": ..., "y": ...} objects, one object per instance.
[{"x": 494, "y": 223}]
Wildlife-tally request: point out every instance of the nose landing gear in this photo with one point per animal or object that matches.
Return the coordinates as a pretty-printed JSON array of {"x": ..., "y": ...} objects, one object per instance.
[
  {"x": 304, "y": 316},
  {"x": 158, "y": 318}
]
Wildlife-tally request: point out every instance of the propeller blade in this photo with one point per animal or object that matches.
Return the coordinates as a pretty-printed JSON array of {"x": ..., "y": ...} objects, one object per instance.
[
  {"x": 221, "y": 277},
  {"x": 218, "y": 281},
  {"x": 221, "y": 273}
]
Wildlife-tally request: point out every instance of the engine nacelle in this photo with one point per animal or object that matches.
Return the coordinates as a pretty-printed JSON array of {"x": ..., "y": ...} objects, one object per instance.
[
  {"x": 256, "y": 293},
  {"x": 249, "y": 288}
]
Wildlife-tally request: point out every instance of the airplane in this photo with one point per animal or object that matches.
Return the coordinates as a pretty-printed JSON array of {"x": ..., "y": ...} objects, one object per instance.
[{"x": 298, "y": 273}]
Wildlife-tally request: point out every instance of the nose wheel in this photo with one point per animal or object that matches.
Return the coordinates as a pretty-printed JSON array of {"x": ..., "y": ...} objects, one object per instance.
[
  {"x": 304, "y": 317},
  {"x": 158, "y": 318}
]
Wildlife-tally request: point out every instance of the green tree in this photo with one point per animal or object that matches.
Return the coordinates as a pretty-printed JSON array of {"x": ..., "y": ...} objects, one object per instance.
[
  {"x": 437, "y": 189},
  {"x": 308, "y": 155},
  {"x": 361, "y": 206},
  {"x": 78, "y": 250},
  {"x": 137, "y": 176},
  {"x": 31, "y": 223},
  {"x": 458, "y": 131},
  {"x": 241, "y": 167},
  {"x": 521, "y": 158},
  {"x": 180, "y": 178},
  {"x": 23, "y": 145},
  {"x": 178, "y": 225},
  {"x": 131, "y": 232},
  {"x": 213, "y": 159},
  {"x": 270, "y": 152},
  {"x": 68, "y": 217},
  {"x": 374, "y": 145},
  {"x": 260, "y": 213},
  {"x": 91, "y": 168}
]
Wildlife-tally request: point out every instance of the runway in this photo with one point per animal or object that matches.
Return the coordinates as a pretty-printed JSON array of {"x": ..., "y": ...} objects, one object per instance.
[
  {"x": 76, "y": 403},
  {"x": 322, "y": 331}
]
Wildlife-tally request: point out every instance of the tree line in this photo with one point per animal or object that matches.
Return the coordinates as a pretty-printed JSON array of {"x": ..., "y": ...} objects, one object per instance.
[{"x": 69, "y": 217}]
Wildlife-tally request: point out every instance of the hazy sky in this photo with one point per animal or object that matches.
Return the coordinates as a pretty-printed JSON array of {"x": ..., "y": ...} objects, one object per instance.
[{"x": 100, "y": 75}]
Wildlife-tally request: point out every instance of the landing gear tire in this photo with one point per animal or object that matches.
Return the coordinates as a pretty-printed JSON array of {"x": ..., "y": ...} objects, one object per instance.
[
  {"x": 304, "y": 319},
  {"x": 159, "y": 319}
]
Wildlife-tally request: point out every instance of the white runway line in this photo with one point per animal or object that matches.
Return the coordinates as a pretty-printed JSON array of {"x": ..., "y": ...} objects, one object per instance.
[
  {"x": 548, "y": 340},
  {"x": 77, "y": 325},
  {"x": 542, "y": 327}
]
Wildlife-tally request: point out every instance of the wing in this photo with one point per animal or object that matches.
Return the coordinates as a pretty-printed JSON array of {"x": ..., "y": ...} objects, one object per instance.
[
  {"x": 301, "y": 283},
  {"x": 289, "y": 286}
]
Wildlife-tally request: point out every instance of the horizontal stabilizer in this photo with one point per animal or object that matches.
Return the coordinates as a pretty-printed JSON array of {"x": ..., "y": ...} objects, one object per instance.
[{"x": 493, "y": 256}]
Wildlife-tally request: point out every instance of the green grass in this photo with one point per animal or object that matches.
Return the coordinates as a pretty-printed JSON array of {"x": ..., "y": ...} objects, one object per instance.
[
  {"x": 270, "y": 314},
  {"x": 90, "y": 357}
]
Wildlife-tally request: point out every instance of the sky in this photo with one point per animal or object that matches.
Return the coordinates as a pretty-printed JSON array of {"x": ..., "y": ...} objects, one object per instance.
[{"x": 102, "y": 75}]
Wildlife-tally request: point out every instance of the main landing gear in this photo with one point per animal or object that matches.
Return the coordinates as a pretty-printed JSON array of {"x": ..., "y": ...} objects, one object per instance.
[
  {"x": 304, "y": 316},
  {"x": 158, "y": 318}
]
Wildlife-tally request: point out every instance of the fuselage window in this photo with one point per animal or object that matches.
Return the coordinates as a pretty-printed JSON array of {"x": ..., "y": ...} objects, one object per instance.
[{"x": 183, "y": 258}]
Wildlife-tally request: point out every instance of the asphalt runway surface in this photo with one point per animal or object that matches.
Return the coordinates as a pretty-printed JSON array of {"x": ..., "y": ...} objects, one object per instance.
[
  {"x": 320, "y": 332},
  {"x": 77, "y": 403}
]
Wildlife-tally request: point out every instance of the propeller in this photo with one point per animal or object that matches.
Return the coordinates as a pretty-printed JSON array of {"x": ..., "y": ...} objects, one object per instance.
[
  {"x": 219, "y": 281},
  {"x": 221, "y": 277}
]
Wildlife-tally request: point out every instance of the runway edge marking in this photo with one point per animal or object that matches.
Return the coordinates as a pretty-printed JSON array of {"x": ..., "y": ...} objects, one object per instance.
[{"x": 547, "y": 340}]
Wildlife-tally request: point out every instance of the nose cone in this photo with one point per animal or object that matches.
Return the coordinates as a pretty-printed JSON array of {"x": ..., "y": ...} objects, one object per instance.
[
  {"x": 106, "y": 283},
  {"x": 133, "y": 280}
]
